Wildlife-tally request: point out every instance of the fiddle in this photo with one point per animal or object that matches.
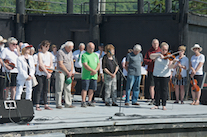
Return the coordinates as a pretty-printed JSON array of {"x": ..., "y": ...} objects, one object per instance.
[
  {"x": 194, "y": 83},
  {"x": 170, "y": 56},
  {"x": 178, "y": 71},
  {"x": 12, "y": 65}
]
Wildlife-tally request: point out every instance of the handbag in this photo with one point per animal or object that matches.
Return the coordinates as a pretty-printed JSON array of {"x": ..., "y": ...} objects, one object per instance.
[{"x": 34, "y": 79}]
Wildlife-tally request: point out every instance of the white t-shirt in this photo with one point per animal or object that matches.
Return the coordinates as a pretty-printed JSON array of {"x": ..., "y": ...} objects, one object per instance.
[
  {"x": 195, "y": 60},
  {"x": 124, "y": 70},
  {"x": 161, "y": 68},
  {"x": 184, "y": 62},
  {"x": 45, "y": 61},
  {"x": 11, "y": 56},
  {"x": 77, "y": 56}
]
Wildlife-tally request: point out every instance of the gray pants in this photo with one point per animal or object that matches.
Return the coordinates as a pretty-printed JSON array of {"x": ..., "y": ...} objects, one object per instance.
[
  {"x": 60, "y": 86},
  {"x": 110, "y": 88}
]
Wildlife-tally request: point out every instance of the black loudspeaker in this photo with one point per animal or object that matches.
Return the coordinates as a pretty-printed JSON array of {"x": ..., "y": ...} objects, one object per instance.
[
  {"x": 203, "y": 98},
  {"x": 16, "y": 111}
]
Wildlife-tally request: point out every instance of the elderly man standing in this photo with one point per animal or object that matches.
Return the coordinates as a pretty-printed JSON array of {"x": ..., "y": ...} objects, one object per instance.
[
  {"x": 90, "y": 68},
  {"x": 133, "y": 66},
  {"x": 148, "y": 61},
  {"x": 78, "y": 64},
  {"x": 65, "y": 65}
]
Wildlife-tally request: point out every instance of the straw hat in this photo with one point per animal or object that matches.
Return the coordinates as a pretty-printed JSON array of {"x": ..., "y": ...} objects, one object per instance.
[
  {"x": 2, "y": 40},
  {"x": 196, "y": 46}
]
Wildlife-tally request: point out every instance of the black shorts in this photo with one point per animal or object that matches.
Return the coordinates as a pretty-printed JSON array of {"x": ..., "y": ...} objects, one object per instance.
[
  {"x": 150, "y": 79},
  {"x": 89, "y": 84},
  {"x": 199, "y": 78},
  {"x": 13, "y": 77}
]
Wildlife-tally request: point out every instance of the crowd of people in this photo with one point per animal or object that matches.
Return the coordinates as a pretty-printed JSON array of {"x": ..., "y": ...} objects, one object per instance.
[{"x": 20, "y": 66}]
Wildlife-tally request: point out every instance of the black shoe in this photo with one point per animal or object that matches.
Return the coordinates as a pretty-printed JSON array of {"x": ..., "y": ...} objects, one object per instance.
[
  {"x": 107, "y": 104},
  {"x": 176, "y": 102},
  {"x": 114, "y": 104}
]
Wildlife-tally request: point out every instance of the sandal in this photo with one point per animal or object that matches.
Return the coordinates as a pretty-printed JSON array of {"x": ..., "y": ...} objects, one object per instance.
[
  {"x": 197, "y": 103},
  {"x": 193, "y": 103},
  {"x": 155, "y": 107},
  {"x": 48, "y": 108},
  {"x": 38, "y": 109}
]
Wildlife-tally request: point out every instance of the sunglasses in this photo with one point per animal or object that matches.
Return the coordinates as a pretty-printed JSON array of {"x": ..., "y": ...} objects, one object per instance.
[{"x": 14, "y": 44}]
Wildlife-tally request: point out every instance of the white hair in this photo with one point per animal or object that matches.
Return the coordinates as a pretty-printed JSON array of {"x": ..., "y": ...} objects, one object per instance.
[
  {"x": 155, "y": 40},
  {"x": 137, "y": 47},
  {"x": 81, "y": 44},
  {"x": 12, "y": 39},
  {"x": 69, "y": 43}
]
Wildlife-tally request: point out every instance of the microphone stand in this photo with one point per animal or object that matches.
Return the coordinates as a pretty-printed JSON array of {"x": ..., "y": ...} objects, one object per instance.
[{"x": 122, "y": 76}]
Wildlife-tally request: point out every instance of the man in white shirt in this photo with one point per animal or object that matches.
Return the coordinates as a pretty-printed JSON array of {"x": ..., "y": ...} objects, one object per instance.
[
  {"x": 77, "y": 55},
  {"x": 2, "y": 44}
]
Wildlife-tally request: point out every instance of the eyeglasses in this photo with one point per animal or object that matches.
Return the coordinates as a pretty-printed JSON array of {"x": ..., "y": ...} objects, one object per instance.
[
  {"x": 196, "y": 48},
  {"x": 13, "y": 44}
]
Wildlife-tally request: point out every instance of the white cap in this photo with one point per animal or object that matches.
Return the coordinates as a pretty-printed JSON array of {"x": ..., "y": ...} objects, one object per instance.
[{"x": 25, "y": 45}]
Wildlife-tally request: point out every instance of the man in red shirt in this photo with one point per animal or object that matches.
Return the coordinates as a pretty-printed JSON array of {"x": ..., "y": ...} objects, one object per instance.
[{"x": 147, "y": 61}]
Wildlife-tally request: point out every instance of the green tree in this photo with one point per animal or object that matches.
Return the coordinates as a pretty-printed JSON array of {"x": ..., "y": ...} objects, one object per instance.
[
  {"x": 37, "y": 5},
  {"x": 7, "y": 5},
  {"x": 198, "y": 7}
]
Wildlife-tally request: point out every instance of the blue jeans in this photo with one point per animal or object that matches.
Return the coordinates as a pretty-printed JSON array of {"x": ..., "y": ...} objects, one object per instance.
[{"x": 132, "y": 81}]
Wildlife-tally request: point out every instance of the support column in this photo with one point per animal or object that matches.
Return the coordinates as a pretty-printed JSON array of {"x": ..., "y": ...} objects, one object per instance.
[
  {"x": 140, "y": 6},
  {"x": 70, "y": 6},
  {"x": 94, "y": 22},
  {"x": 20, "y": 14},
  {"x": 168, "y": 6},
  {"x": 102, "y": 6}
]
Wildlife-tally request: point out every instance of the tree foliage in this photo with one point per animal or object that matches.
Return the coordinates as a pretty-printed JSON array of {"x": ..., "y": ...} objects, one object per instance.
[{"x": 112, "y": 6}]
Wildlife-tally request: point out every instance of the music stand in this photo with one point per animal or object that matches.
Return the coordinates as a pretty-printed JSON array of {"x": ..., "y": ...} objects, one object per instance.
[{"x": 122, "y": 76}]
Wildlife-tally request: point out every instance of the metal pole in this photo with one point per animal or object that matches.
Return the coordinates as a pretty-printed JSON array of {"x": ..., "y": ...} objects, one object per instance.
[
  {"x": 168, "y": 6},
  {"x": 140, "y": 6},
  {"x": 20, "y": 14},
  {"x": 94, "y": 22},
  {"x": 70, "y": 6}
]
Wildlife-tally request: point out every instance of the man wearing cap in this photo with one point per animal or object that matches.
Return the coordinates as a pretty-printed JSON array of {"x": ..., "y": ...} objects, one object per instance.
[
  {"x": 2, "y": 76},
  {"x": 100, "y": 51},
  {"x": 63, "y": 82},
  {"x": 10, "y": 54},
  {"x": 90, "y": 68}
]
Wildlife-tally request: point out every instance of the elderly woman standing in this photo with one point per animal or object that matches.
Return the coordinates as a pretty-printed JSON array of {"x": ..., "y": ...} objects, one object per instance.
[
  {"x": 26, "y": 69},
  {"x": 133, "y": 66},
  {"x": 110, "y": 69},
  {"x": 161, "y": 73},
  {"x": 196, "y": 71}
]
